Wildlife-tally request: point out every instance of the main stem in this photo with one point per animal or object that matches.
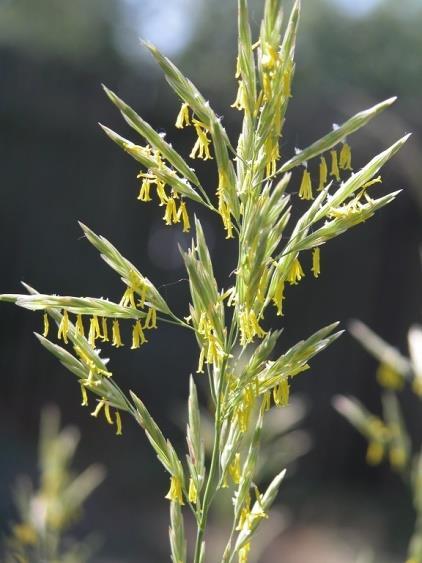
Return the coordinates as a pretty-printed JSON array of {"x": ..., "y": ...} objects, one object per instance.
[
  {"x": 213, "y": 476},
  {"x": 215, "y": 459}
]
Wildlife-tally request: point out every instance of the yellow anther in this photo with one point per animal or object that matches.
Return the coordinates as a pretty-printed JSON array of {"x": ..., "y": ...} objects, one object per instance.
[
  {"x": 183, "y": 117},
  {"x": 234, "y": 469},
  {"x": 104, "y": 327},
  {"x": 201, "y": 147},
  {"x": 63, "y": 327},
  {"x": 345, "y": 161},
  {"x": 305, "y": 190},
  {"x": 183, "y": 214},
  {"x": 240, "y": 102},
  {"x": 316, "y": 266},
  {"x": 118, "y": 424},
  {"x": 84, "y": 396},
  {"x": 334, "y": 165},
  {"x": 80, "y": 326},
  {"x": 46, "y": 325},
  {"x": 138, "y": 336},
  {"x": 170, "y": 214},
  {"x": 192, "y": 492},
  {"x": 151, "y": 318},
  {"x": 98, "y": 408},
  {"x": 175, "y": 492},
  {"x": 107, "y": 413},
  {"x": 200, "y": 368},
  {"x": 295, "y": 273},
  {"x": 117, "y": 341},
  {"x": 145, "y": 191},
  {"x": 323, "y": 173}
]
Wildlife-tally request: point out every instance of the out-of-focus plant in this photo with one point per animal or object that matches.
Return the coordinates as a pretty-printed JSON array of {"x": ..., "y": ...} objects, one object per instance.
[
  {"x": 46, "y": 512},
  {"x": 254, "y": 206},
  {"x": 388, "y": 437}
]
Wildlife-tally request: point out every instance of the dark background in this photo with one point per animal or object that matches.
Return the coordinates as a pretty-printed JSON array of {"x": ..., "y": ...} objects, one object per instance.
[{"x": 57, "y": 167}]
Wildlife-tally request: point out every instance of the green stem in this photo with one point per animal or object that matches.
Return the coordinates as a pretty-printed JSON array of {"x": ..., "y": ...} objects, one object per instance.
[{"x": 213, "y": 476}]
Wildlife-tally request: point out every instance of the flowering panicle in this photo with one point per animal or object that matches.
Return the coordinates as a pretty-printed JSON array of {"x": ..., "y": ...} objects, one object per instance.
[{"x": 254, "y": 205}]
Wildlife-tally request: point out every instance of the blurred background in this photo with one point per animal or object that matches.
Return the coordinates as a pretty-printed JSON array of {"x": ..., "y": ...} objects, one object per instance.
[{"x": 57, "y": 167}]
